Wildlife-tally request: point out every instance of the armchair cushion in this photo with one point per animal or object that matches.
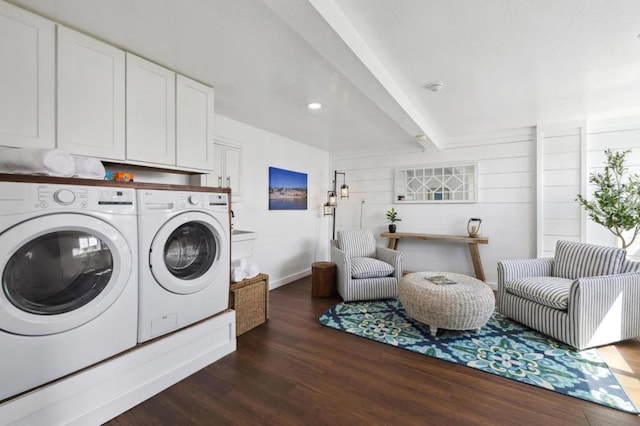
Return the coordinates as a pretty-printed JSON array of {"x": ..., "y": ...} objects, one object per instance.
[
  {"x": 366, "y": 267},
  {"x": 548, "y": 291},
  {"x": 357, "y": 243},
  {"x": 578, "y": 260}
]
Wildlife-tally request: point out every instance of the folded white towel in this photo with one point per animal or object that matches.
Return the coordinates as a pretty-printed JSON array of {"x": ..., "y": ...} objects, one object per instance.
[
  {"x": 239, "y": 263},
  {"x": 252, "y": 270},
  {"x": 89, "y": 168},
  {"x": 51, "y": 162},
  {"x": 237, "y": 274}
]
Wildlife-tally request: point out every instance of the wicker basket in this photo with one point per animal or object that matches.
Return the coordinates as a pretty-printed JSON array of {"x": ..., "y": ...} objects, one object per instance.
[{"x": 250, "y": 299}]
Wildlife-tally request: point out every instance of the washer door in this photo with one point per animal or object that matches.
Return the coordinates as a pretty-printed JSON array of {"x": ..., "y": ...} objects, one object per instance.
[
  {"x": 60, "y": 271},
  {"x": 186, "y": 252}
]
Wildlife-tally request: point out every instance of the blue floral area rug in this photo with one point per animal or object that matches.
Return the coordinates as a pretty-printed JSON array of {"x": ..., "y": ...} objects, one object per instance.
[{"x": 503, "y": 347}]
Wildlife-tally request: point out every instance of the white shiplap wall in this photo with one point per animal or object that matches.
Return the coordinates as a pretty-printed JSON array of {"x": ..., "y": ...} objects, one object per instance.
[
  {"x": 506, "y": 194},
  {"x": 568, "y": 156},
  {"x": 561, "y": 174},
  {"x": 614, "y": 137}
]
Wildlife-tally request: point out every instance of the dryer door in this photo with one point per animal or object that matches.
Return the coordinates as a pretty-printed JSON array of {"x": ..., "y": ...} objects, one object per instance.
[
  {"x": 60, "y": 271},
  {"x": 187, "y": 252}
]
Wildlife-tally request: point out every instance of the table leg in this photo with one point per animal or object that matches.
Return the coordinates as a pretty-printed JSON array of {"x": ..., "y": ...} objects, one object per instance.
[
  {"x": 477, "y": 263},
  {"x": 393, "y": 243}
]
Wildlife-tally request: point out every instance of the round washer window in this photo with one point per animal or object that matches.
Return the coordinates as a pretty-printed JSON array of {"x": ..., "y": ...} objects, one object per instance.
[
  {"x": 190, "y": 251},
  {"x": 57, "y": 272}
]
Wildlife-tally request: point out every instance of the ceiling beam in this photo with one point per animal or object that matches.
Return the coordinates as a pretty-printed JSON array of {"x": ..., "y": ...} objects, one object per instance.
[{"x": 336, "y": 18}]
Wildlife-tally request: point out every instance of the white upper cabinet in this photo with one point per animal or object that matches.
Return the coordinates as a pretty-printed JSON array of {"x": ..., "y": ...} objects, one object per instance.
[
  {"x": 151, "y": 112},
  {"x": 194, "y": 124},
  {"x": 227, "y": 167},
  {"x": 27, "y": 79},
  {"x": 91, "y": 96}
]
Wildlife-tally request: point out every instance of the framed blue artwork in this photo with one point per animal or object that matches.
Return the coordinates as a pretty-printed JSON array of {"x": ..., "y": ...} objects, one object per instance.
[{"x": 287, "y": 190}]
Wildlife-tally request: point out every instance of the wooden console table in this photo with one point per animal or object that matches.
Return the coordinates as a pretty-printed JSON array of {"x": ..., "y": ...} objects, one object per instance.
[{"x": 471, "y": 241}]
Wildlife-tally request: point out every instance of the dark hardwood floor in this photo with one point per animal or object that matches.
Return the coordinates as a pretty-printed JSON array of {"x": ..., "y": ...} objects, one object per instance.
[{"x": 292, "y": 370}]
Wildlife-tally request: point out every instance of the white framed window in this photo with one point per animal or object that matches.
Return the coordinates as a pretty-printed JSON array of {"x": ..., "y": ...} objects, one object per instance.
[{"x": 446, "y": 183}]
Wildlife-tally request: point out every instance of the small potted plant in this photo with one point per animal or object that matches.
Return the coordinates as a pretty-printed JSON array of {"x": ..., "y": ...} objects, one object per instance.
[{"x": 392, "y": 216}]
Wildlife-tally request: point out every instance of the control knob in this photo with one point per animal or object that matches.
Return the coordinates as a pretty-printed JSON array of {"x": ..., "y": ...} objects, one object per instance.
[
  {"x": 193, "y": 200},
  {"x": 64, "y": 197}
]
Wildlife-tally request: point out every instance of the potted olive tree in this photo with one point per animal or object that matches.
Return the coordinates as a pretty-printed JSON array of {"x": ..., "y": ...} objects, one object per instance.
[
  {"x": 392, "y": 216},
  {"x": 616, "y": 200}
]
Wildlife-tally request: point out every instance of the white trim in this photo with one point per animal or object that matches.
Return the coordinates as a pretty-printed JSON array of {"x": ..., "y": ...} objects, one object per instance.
[
  {"x": 584, "y": 178},
  {"x": 100, "y": 393},
  {"x": 289, "y": 278},
  {"x": 539, "y": 192},
  {"x": 614, "y": 124},
  {"x": 491, "y": 138},
  {"x": 227, "y": 141}
]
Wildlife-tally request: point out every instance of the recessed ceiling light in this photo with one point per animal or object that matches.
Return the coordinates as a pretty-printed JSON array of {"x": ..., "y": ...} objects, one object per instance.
[
  {"x": 314, "y": 105},
  {"x": 434, "y": 87}
]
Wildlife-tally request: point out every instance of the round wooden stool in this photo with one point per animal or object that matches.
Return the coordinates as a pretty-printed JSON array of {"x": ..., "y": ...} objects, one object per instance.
[{"x": 323, "y": 279}]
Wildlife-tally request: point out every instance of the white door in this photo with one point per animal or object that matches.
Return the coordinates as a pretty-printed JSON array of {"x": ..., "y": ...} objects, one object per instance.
[
  {"x": 187, "y": 252},
  {"x": 27, "y": 79},
  {"x": 60, "y": 271},
  {"x": 151, "y": 112},
  {"x": 91, "y": 96},
  {"x": 194, "y": 124}
]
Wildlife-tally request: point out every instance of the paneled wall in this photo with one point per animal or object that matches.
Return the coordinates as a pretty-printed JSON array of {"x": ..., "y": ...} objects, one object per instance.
[
  {"x": 614, "y": 137},
  {"x": 506, "y": 194},
  {"x": 568, "y": 156},
  {"x": 560, "y": 169},
  {"x": 528, "y": 183}
]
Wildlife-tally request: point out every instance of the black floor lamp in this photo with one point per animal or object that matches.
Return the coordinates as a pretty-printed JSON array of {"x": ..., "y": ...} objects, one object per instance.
[{"x": 332, "y": 198}]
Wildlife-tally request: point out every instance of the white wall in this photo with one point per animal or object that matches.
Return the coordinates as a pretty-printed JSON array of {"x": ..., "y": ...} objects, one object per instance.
[
  {"x": 506, "y": 194},
  {"x": 288, "y": 241},
  {"x": 569, "y": 156},
  {"x": 561, "y": 171},
  {"x": 616, "y": 138}
]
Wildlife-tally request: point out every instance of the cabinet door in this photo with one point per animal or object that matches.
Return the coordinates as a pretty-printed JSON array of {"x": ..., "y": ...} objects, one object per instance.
[
  {"x": 194, "y": 124},
  {"x": 27, "y": 79},
  {"x": 91, "y": 85},
  {"x": 217, "y": 178},
  {"x": 151, "y": 112},
  {"x": 232, "y": 157}
]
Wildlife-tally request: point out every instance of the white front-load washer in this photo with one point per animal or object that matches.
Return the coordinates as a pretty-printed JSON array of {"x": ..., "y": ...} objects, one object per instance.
[
  {"x": 184, "y": 259},
  {"x": 69, "y": 294}
]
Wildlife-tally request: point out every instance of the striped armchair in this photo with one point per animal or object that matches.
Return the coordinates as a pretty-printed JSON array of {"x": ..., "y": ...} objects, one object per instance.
[
  {"x": 365, "y": 271},
  {"x": 586, "y": 296}
]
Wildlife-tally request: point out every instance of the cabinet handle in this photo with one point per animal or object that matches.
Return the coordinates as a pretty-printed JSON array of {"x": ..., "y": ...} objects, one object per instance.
[
  {"x": 228, "y": 181},
  {"x": 220, "y": 181}
]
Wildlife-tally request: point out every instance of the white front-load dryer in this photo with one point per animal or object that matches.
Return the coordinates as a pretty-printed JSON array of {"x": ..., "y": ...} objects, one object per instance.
[
  {"x": 69, "y": 280},
  {"x": 184, "y": 259}
]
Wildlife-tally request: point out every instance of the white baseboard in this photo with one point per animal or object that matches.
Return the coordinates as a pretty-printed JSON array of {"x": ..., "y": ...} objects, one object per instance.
[
  {"x": 288, "y": 279},
  {"x": 105, "y": 390}
]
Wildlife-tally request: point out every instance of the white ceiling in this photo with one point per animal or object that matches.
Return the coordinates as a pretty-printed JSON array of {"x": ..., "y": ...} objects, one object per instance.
[{"x": 505, "y": 63}]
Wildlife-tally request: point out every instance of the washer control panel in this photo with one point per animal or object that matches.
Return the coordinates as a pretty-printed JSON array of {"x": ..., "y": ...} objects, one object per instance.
[
  {"x": 55, "y": 196},
  {"x": 113, "y": 200}
]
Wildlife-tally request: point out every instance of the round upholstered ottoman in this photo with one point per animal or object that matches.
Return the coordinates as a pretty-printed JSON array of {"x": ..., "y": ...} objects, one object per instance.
[{"x": 465, "y": 305}]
